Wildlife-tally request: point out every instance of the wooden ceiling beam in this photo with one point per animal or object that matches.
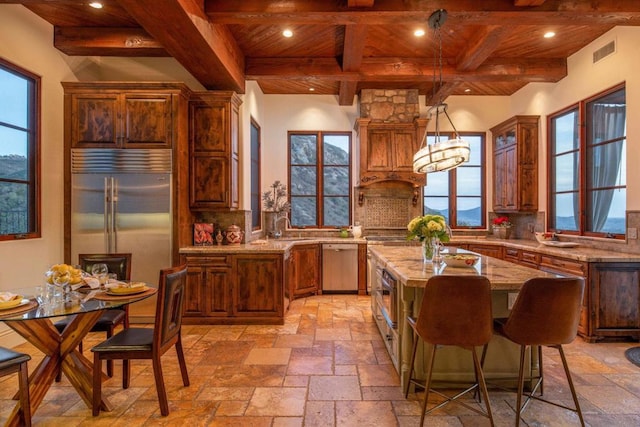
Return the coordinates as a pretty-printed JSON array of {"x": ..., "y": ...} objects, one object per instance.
[
  {"x": 404, "y": 70},
  {"x": 481, "y": 46},
  {"x": 441, "y": 93},
  {"x": 101, "y": 41},
  {"x": 390, "y": 12},
  {"x": 208, "y": 51},
  {"x": 355, "y": 37}
]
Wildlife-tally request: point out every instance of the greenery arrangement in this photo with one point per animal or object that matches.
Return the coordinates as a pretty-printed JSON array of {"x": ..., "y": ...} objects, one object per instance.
[
  {"x": 428, "y": 227},
  {"x": 275, "y": 200}
]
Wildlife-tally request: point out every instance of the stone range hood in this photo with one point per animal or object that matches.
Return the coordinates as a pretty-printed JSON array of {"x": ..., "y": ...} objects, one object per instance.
[{"x": 388, "y": 193}]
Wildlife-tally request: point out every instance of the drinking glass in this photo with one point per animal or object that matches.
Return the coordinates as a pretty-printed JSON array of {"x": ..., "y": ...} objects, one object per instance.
[{"x": 100, "y": 271}]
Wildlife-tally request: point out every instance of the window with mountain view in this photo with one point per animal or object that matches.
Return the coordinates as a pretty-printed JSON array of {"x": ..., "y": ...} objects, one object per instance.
[
  {"x": 320, "y": 179},
  {"x": 458, "y": 194},
  {"x": 19, "y": 140},
  {"x": 588, "y": 145}
]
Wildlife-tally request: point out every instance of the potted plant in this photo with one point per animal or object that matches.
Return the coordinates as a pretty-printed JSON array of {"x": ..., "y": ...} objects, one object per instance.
[
  {"x": 276, "y": 207},
  {"x": 501, "y": 227}
]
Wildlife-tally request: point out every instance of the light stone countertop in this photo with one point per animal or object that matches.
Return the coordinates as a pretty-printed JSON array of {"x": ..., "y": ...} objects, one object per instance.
[
  {"x": 578, "y": 253},
  {"x": 405, "y": 263},
  {"x": 271, "y": 246}
]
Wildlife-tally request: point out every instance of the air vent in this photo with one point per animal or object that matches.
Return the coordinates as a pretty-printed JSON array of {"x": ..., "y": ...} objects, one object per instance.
[{"x": 604, "y": 51}]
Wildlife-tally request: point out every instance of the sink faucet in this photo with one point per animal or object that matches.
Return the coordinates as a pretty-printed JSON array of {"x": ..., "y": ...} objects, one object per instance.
[
  {"x": 277, "y": 233},
  {"x": 449, "y": 232}
]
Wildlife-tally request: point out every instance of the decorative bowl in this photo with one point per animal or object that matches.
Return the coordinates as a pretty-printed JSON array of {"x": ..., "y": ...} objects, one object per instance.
[
  {"x": 460, "y": 260},
  {"x": 543, "y": 237}
]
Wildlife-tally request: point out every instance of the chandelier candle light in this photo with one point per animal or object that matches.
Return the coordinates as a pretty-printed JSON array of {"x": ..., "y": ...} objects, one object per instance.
[
  {"x": 432, "y": 231},
  {"x": 440, "y": 156}
]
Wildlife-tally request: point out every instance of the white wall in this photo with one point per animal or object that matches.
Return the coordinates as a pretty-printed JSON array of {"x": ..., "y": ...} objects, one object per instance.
[
  {"x": 586, "y": 79},
  {"x": 26, "y": 40}
]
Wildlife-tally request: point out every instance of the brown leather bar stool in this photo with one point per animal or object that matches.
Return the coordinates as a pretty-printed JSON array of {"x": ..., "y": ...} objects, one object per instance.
[
  {"x": 11, "y": 362},
  {"x": 546, "y": 313},
  {"x": 455, "y": 311}
]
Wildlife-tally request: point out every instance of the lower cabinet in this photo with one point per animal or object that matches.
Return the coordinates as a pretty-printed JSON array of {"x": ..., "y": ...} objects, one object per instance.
[
  {"x": 303, "y": 271},
  {"x": 494, "y": 251},
  {"x": 235, "y": 289}
]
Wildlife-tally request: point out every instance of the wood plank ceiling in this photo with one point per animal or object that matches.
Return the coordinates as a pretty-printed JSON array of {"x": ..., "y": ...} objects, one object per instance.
[{"x": 490, "y": 47}]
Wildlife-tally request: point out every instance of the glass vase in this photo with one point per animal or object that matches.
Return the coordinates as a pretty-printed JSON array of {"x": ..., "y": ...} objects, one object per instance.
[{"x": 431, "y": 250}]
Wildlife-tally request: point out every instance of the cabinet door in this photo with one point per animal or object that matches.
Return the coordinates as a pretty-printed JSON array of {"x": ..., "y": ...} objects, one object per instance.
[
  {"x": 510, "y": 181},
  {"x": 379, "y": 150},
  {"x": 306, "y": 259},
  {"x": 94, "y": 120},
  {"x": 147, "y": 120},
  {"x": 404, "y": 147},
  {"x": 194, "y": 304},
  {"x": 209, "y": 182},
  {"x": 615, "y": 299},
  {"x": 499, "y": 180},
  {"x": 258, "y": 286}
]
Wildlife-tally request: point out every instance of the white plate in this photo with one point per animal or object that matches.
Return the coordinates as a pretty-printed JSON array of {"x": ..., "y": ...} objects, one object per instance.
[{"x": 559, "y": 244}]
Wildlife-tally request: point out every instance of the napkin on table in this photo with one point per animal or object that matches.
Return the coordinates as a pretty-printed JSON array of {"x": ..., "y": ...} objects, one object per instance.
[
  {"x": 117, "y": 284},
  {"x": 8, "y": 296},
  {"x": 92, "y": 282}
]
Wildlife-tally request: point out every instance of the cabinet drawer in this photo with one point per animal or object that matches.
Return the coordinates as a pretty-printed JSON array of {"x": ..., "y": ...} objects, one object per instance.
[
  {"x": 511, "y": 254},
  {"x": 565, "y": 265},
  {"x": 209, "y": 260},
  {"x": 529, "y": 258}
]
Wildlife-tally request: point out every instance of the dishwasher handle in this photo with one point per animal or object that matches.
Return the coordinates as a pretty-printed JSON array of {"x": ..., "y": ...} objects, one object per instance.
[{"x": 340, "y": 246}]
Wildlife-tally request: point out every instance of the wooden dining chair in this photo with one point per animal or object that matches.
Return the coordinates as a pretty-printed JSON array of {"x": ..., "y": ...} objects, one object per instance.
[
  {"x": 119, "y": 264},
  {"x": 12, "y": 362},
  {"x": 147, "y": 343},
  {"x": 455, "y": 311},
  {"x": 546, "y": 313}
]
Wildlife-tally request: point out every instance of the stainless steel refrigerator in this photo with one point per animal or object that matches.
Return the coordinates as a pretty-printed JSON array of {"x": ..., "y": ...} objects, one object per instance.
[{"x": 121, "y": 202}]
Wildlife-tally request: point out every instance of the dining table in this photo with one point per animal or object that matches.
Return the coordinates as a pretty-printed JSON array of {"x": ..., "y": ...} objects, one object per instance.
[{"x": 34, "y": 322}]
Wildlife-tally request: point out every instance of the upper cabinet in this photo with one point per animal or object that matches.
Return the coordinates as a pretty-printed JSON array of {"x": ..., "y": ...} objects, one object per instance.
[
  {"x": 122, "y": 115},
  {"x": 387, "y": 149},
  {"x": 213, "y": 150},
  {"x": 515, "y": 165}
]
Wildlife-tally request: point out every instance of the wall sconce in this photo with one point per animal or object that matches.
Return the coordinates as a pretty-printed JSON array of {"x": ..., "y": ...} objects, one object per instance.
[
  {"x": 416, "y": 193},
  {"x": 361, "y": 198}
]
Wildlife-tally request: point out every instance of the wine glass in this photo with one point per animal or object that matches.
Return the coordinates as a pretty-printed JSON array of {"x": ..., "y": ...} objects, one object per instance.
[{"x": 100, "y": 271}]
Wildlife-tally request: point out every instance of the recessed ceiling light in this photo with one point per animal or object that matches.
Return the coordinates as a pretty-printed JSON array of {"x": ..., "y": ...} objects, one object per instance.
[
  {"x": 419, "y": 32},
  {"x": 96, "y": 5},
  {"x": 549, "y": 34},
  {"x": 311, "y": 89},
  {"x": 287, "y": 33},
  {"x": 467, "y": 90}
]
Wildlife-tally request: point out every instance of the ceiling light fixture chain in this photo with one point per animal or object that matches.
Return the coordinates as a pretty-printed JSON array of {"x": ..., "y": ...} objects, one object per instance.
[{"x": 440, "y": 156}]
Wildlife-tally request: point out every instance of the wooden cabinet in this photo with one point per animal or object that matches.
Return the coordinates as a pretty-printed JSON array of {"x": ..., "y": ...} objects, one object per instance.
[
  {"x": 303, "y": 276},
  {"x": 613, "y": 301},
  {"x": 213, "y": 150},
  {"x": 258, "y": 287},
  {"x": 235, "y": 289},
  {"x": 387, "y": 149},
  {"x": 515, "y": 165},
  {"x": 121, "y": 115},
  {"x": 208, "y": 289},
  {"x": 494, "y": 251}
]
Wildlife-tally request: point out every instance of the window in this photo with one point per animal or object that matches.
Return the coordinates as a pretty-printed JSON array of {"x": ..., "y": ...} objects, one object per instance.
[
  {"x": 458, "y": 194},
  {"x": 587, "y": 158},
  {"x": 320, "y": 179},
  {"x": 256, "y": 197},
  {"x": 19, "y": 152}
]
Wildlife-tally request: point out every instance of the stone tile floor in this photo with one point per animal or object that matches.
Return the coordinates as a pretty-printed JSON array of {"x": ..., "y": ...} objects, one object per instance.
[{"x": 327, "y": 366}]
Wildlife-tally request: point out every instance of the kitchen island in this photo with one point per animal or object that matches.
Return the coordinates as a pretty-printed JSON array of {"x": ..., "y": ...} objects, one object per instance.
[{"x": 409, "y": 274}]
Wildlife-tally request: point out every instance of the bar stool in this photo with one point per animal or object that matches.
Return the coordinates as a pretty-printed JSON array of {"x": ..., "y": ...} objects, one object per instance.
[
  {"x": 546, "y": 313},
  {"x": 11, "y": 362},
  {"x": 455, "y": 311}
]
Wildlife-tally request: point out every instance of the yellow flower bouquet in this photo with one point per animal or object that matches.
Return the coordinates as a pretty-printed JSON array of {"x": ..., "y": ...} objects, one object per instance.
[{"x": 430, "y": 230}]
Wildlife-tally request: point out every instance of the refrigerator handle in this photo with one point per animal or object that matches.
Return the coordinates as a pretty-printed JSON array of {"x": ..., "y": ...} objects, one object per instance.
[
  {"x": 107, "y": 221},
  {"x": 114, "y": 210}
]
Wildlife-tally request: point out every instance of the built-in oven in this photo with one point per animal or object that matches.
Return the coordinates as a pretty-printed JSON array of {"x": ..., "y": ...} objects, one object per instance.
[{"x": 387, "y": 297}]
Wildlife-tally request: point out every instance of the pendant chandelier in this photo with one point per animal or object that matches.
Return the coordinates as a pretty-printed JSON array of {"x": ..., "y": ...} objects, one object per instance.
[{"x": 441, "y": 155}]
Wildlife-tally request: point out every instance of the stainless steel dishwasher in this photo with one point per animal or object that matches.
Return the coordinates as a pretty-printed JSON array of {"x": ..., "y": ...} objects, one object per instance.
[{"x": 340, "y": 267}]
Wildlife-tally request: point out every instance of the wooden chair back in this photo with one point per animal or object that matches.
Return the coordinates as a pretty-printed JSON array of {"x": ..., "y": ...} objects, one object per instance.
[
  {"x": 120, "y": 264},
  {"x": 170, "y": 306}
]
